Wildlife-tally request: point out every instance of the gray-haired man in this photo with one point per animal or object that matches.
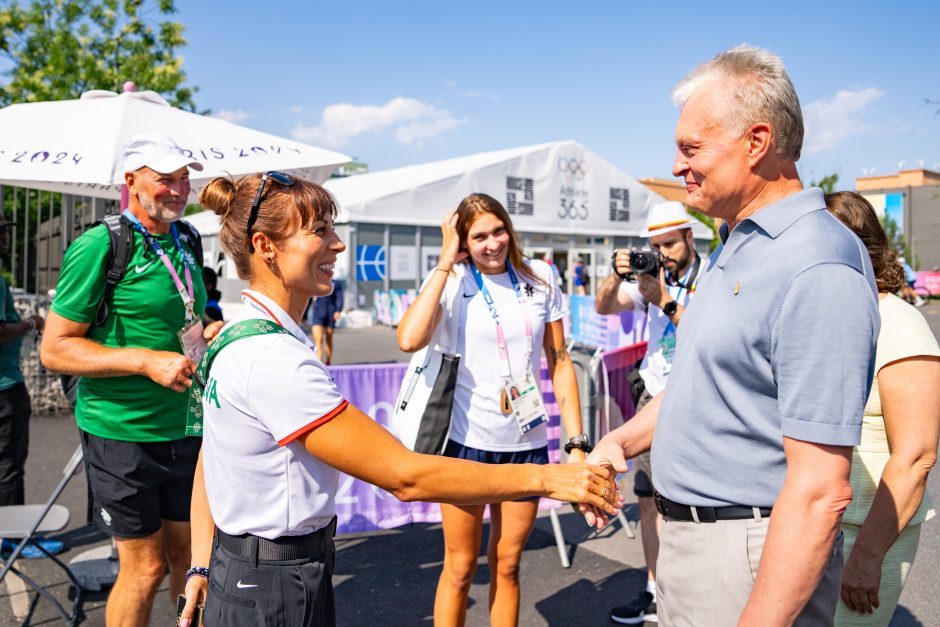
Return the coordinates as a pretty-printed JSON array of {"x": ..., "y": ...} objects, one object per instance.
[{"x": 764, "y": 401}]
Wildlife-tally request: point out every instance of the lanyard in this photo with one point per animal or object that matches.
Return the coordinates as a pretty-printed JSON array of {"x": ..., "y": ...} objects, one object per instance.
[
  {"x": 187, "y": 293},
  {"x": 500, "y": 335},
  {"x": 690, "y": 284}
]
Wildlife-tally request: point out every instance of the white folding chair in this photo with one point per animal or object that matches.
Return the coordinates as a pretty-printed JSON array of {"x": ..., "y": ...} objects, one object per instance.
[{"x": 23, "y": 522}]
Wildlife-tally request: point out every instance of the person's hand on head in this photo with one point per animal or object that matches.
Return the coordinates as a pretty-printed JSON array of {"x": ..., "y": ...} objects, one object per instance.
[{"x": 450, "y": 248}]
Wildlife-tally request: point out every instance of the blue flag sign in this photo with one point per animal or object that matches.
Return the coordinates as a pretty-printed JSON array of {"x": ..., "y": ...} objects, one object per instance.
[{"x": 370, "y": 263}]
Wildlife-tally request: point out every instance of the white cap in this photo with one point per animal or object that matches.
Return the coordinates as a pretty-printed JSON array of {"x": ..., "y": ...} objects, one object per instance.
[
  {"x": 157, "y": 152},
  {"x": 666, "y": 217}
]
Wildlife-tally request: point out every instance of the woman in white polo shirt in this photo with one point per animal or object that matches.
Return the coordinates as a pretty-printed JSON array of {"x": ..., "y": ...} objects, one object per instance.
[
  {"x": 277, "y": 432},
  {"x": 513, "y": 310}
]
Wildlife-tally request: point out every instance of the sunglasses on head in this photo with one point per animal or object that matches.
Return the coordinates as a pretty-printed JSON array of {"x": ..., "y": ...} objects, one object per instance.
[{"x": 277, "y": 177}]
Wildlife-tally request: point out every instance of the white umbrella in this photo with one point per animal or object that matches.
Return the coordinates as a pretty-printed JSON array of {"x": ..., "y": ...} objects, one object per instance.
[{"x": 74, "y": 146}]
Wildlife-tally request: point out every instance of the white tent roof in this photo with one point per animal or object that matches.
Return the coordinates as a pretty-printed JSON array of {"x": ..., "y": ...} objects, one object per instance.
[
  {"x": 558, "y": 187},
  {"x": 74, "y": 146},
  {"x": 591, "y": 188}
]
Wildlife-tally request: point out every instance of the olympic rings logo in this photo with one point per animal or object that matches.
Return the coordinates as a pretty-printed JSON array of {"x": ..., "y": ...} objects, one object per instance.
[{"x": 573, "y": 169}]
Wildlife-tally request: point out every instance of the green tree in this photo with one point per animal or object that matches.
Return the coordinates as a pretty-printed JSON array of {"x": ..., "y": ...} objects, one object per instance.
[
  {"x": 827, "y": 183},
  {"x": 897, "y": 239},
  {"x": 710, "y": 223},
  {"x": 58, "y": 49}
]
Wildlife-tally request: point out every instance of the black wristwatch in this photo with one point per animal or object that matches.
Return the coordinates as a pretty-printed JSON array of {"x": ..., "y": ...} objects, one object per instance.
[
  {"x": 671, "y": 308},
  {"x": 579, "y": 441}
]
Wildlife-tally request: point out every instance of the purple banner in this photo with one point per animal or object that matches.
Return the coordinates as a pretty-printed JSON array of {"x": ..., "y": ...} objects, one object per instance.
[{"x": 373, "y": 388}]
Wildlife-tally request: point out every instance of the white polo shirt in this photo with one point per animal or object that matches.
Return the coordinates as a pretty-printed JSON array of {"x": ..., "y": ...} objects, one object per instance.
[
  {"x": 270, "y": 390},
  {"x": 477, "y": 421}
]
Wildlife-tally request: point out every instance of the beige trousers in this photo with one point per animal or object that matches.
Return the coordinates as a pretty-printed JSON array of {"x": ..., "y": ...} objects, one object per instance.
[{"x": 705, "y": 573}]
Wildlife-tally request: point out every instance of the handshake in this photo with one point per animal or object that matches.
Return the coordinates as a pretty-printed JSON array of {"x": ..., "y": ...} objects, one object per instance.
[{"x": 590, "y": 486}]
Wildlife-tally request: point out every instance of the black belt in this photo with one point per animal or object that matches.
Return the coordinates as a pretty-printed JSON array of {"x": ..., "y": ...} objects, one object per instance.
[
  {"x": 678, "y": 511},
  {"x": 251, "y": 547}
]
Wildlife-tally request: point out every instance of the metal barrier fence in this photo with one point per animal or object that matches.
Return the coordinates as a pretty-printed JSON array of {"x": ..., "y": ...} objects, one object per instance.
[
  {"x": 44, "y": 225},
  {"x": 45, "y": 391}
]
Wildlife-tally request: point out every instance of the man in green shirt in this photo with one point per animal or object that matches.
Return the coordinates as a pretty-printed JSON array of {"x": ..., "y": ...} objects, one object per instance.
[{"x": 131, "y": 403}]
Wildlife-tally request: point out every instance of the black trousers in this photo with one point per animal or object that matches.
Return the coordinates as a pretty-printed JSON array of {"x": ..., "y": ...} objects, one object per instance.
[
  {"x": 245, "y": 592},
  {"x": 15, "y": 409}
]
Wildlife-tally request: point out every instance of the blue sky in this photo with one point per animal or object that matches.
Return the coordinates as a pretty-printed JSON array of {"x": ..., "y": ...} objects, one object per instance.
[{"x": 401, "y": 83}]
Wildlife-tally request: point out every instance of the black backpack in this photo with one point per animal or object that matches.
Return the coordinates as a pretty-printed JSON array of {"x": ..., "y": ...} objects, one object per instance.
[{"x": 121, "y": 237}]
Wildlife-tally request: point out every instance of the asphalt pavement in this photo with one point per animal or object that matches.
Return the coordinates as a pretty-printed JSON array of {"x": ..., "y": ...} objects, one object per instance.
[{"x": 389, "y": 577}]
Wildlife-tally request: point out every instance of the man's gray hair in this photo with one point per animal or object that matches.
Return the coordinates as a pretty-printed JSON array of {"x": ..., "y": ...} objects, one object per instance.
[{"x": 759, "y": 90}]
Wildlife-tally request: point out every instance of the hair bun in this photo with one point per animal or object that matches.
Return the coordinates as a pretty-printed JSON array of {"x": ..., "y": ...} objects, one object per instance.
[{"x": 218, "y": 196}]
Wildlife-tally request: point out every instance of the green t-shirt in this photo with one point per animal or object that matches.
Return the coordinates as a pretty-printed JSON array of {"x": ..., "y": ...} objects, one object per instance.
[
  {"x": 10, "y": 373},
  {"x": 146, "y": 312}
]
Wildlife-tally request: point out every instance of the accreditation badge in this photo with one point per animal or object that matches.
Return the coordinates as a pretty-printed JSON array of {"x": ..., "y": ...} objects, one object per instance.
[
  {"x": 192, "y": 341},
  {"x": 526, "y": 402},
  {"x": 667, "y": 346}
]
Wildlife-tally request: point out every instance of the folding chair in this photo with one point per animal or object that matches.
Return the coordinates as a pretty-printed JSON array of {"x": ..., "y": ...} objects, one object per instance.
[{"x": 23, "y": 522}]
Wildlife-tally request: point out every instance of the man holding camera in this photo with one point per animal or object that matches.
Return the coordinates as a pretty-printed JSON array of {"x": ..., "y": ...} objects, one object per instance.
[{"x": 664, "y": 282}]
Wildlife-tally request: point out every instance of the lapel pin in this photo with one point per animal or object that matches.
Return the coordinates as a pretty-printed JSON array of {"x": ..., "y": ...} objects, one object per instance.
[{"x": 737, "y": 287}]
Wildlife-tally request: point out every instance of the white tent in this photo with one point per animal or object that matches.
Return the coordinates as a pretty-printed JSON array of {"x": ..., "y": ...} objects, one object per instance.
[
  {"x": 73, "y": 146},
  {"x": 558, "y": 187}
]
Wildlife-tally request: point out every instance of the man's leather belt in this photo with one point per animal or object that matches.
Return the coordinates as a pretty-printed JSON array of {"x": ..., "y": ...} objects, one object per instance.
[
  {"x": 313, "y": 545},
  {"x": 678, "y": 511}
]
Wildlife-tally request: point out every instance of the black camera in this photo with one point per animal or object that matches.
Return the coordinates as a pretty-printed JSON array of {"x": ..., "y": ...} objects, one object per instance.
[{"x": 645, "y": 262}]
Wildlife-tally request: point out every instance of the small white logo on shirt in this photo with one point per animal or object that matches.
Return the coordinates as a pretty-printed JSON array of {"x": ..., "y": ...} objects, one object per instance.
[
  {"x": 245, "y": 585},
  {"x": 105, "y": 516},
  {"x": 138, "y": 269}
]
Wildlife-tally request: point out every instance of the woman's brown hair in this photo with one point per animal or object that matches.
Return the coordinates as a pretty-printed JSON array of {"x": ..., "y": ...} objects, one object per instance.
[
  {"x": 858, "y": 214},
  {"x": 283, "y": 209},
  {"x": 472, "y": 207}
]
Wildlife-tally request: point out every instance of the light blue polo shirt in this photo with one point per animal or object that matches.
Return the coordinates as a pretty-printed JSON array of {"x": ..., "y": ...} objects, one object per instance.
[{"x": 778, "y": 341}]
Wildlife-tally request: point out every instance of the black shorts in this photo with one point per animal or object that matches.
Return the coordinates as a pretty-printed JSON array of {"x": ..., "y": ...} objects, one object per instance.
[
  {"x": 136, "y": 485},
  {"x": 534, "y": 456},
  {"x": 324, "y": 321}
]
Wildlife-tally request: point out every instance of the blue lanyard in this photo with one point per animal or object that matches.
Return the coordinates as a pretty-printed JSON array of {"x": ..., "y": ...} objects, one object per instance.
[
  {"x": 501, "y": 343},
  {"x": 187, "y": 293},
  {"x": 690, "y": 285}
]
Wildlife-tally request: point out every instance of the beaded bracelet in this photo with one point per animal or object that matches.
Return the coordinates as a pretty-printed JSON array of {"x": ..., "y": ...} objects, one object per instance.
[{"x": 202, "y": 571}]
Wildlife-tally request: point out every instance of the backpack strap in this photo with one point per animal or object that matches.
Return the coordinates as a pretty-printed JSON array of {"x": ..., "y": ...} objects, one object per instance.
[
  {"x": 191, "y": 237},
  {"x": 239, "y": 330},
  {"x": 121, "y": 239}
]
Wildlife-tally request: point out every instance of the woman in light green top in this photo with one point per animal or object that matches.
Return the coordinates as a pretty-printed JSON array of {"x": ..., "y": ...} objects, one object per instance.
[{"x": 899, "y": 439}]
